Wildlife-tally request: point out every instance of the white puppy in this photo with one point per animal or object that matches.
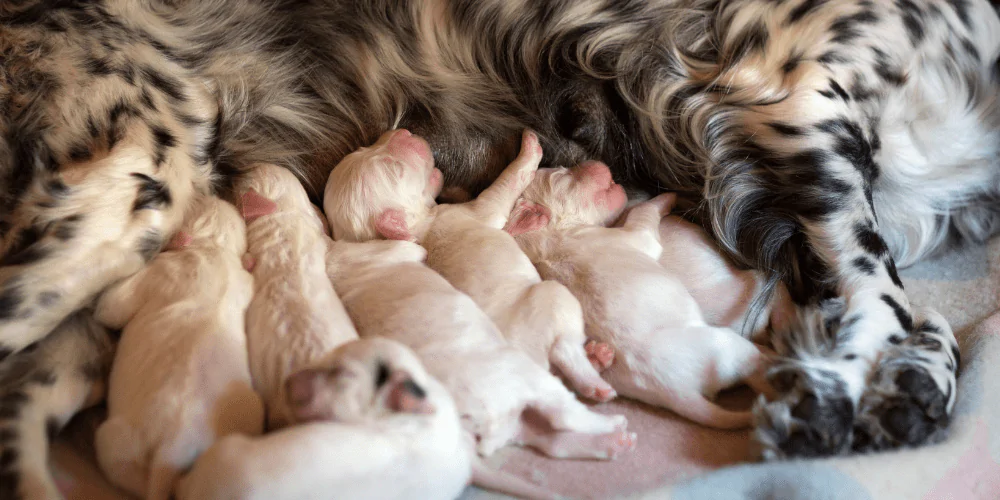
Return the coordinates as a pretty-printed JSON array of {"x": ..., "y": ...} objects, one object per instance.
[
  {"x": 665, "y": 352},
  {"x": 389, "y": 292},
  {"x": 295, "y": 317},
  {"x": 396, "y": 436},
  {"x": 466, "y": 244},
  {"x": 180, "y": 379},
  {"x": 723, "y": 292}
]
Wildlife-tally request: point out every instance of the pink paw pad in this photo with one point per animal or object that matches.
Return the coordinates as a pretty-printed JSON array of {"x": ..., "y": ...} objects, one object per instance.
[
  {"x": 179, "y": 241},
  {"x": 254, "y": 206},
  {"x": 600, "y": 354}
]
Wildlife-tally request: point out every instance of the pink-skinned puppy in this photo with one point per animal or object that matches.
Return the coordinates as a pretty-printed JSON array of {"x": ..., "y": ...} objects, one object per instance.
[
  {"x": 665, "y": 353},
  {"x": 467, "y": 245},
  {"x": 372, "y": 425},
  {"x": 390, "y": 292},
  {"x": 179, "y": 379},
  {"x": 295, "y": 316}
]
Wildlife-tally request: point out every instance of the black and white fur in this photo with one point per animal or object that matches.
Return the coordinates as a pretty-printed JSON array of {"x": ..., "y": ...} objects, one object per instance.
[
  {"x": 824, "y": 143},
  {"x": 40, "y": 390}
]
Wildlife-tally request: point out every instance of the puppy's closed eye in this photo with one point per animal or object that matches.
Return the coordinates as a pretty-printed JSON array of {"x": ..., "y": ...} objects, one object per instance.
[{"x": 382, "y": 375}]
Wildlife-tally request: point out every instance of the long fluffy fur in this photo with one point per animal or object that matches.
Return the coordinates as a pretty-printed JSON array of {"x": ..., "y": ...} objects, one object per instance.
[{"x": 821, "y": 142}]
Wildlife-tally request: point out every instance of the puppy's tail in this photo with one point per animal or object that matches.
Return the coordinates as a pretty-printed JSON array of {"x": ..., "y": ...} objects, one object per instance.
[
  {"x": 491, "y": 479},
  {"x": 162, "y": 480}
]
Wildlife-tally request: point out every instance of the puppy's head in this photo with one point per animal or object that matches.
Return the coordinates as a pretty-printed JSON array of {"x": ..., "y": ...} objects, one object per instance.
[
  {"x": 380, "y": 192},
  {"x": 211, "y": 221},
  {"x": 361, "y": 381},
  {"x": 584, "y": 195}
]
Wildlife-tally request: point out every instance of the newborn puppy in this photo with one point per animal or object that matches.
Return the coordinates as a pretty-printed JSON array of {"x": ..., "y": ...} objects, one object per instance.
[
  {"x": 295, "y": 317},
  {"x": 665, "y": 352},
  {"x": 180, "y": 378},
  {"x": 466, "y": 244},
  {"x": 723, "y": 292},
  {"x": 502, "y": 396},
  {"x": 392, "y": 433}
]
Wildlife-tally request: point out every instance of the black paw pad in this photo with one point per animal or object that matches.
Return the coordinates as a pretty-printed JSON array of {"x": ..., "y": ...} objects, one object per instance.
[
  {"x": 905, "y": 408},
  {"x": 813, "y": 417}
]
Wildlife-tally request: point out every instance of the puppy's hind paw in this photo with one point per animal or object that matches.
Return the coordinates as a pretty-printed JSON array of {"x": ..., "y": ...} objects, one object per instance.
[
  {"x": 812, "y": 417},
  {"x": 600, "y": 354}
]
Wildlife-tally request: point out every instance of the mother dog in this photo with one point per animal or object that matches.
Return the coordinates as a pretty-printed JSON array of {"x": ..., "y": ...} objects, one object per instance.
[{"x": 824, "y": 142}]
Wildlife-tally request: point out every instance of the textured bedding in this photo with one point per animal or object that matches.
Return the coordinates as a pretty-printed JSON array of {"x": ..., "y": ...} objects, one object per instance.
[{"x": 678, "y": 459}]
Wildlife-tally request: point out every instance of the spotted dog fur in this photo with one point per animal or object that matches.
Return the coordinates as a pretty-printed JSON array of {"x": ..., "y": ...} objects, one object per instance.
[
  {"x": 40, "y": 390},
  {"x": 823, "y": 142}
]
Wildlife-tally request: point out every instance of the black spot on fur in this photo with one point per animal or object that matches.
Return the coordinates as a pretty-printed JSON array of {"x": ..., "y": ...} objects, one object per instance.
[
  {"x": 848, "y": 28},
  {"x": 885, "y": 70},
  {"x": 753, "y": 39},
  {"x": 150, "y": 244},
  {"x": 803, "y": 9},
  {"x": 169, "y": 85},
  {"x": 786, "y": 129},
  {"x": 382, "y": 375},
  {"x": 97, "y": 66},
  {"x": 117, "y": 114},
  {"x": 870, "y": 241},
  {"x": 80, "y": 152},
  {"x": 67, "y": 227},
  {"x": 896, "y": 339},
  {"x": 792, "y": 63},
  {"x": 48, "y": 298},
  {"x": 962, "y": 9},
  {"x": 9, "y": 484},
  {"x": 152, "y": 193},
  {"x": 11, "y": 403},
  {"x": 11, "y": 299},
  {"x": 5, "y": 353},
  {"x": 902, "y": 315},
  {"x": 912, "y": 20},
  {"x": 163, "y": 140},
  {"x": 970, "y": 49},
  {"x": 831, "y": 57},
  {"x": 890, "y": 267},
  {"x": 865, "y": 265},
  {"x": 27, "y": 248}
]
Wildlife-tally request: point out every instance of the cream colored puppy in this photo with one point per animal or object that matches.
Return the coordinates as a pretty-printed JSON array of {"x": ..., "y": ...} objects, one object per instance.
[
  {"x": 180, "y": 379},
  {"x": 377, "y": 427},
  {"x": 665, "y": 352},
  {"x": 501, "y": 394},
  {"x": 295, "y": 317},
  {"x": 466, "y": 244}
]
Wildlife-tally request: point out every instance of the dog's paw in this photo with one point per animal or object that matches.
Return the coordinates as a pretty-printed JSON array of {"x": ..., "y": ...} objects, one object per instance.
[
  {"x": 812, "y": 416},
  {"x": 912, "y": 393},
  {"x": 600, "y": 354}
]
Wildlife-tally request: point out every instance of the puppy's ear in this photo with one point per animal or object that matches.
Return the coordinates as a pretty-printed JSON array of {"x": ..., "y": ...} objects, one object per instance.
[
  {"x": 301, "y": 394},
  {"x": 253, "y": 206},
  {"x": 391, "y": 225},
  {"x": 527, "y": 216}
]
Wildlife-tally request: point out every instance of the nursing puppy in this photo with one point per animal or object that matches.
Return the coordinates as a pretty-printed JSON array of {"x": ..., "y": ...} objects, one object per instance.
[
  {"x": 665, "y": 352},
  {"x": 375, "y": 425},
  {"x": 466, "y": 244},
  {"x": 295, "y": 317},
  {"x": 501, "y": 394},
  {"x": 180, "y": 379}
]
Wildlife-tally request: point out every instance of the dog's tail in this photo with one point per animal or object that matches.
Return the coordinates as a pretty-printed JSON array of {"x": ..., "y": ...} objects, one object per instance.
[{"x": 491, "y": 479}]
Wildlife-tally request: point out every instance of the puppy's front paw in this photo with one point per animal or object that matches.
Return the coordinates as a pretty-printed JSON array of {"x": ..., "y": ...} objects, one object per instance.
[{"x": 812, "y": 417}]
